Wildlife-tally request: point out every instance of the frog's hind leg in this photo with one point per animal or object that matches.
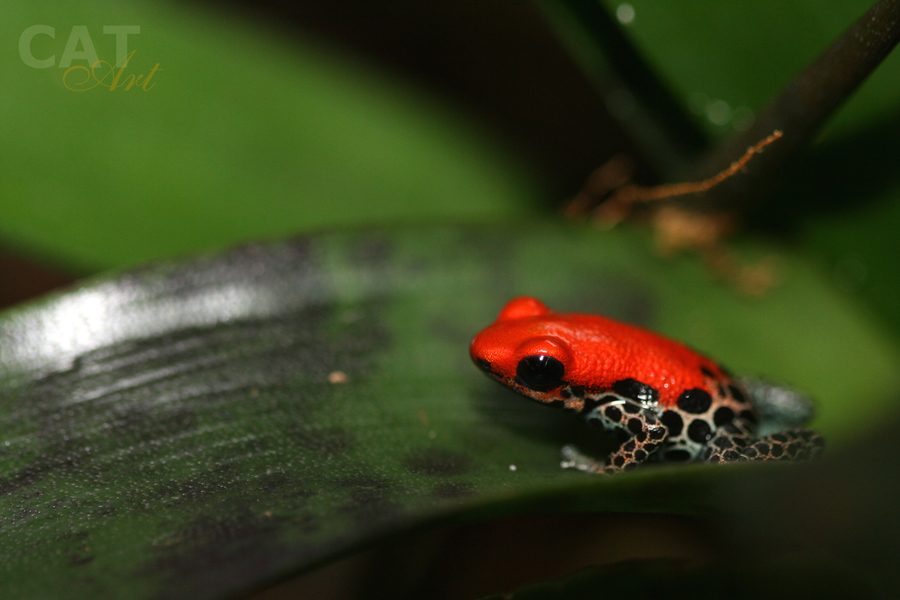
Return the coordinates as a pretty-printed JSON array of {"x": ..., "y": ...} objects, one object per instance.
[{"x": 791, "y": 444}]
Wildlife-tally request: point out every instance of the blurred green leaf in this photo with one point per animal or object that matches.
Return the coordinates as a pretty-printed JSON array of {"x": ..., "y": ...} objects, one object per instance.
[
  {"x": 199, "y": 428},
  {"x": 724, "y": 59},
  {"x": 242, "y": 135}
]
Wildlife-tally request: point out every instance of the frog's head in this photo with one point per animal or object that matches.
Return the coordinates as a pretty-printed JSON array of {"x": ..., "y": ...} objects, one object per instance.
[{"x": 526, "y": 350}]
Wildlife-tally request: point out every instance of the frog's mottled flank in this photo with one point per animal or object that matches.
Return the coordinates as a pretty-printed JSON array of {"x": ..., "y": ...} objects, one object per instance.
[{"x": 672, "y": 403}]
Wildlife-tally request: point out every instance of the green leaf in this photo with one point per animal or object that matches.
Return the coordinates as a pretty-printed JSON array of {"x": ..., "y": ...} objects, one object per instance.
[
  {"x": 199, "y": 428},
  {"x": 244, "y": 134}
]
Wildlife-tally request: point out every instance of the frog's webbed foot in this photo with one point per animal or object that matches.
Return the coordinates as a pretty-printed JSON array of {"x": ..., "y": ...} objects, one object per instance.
[{"x": 792, "y": 444}]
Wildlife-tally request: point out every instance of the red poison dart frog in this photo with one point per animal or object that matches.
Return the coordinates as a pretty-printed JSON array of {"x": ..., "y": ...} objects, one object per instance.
[{"x": 671, "y": 403}]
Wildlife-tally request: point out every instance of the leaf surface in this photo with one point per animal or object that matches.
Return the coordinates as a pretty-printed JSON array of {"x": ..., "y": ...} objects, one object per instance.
[{"x": 198, "y": 428}]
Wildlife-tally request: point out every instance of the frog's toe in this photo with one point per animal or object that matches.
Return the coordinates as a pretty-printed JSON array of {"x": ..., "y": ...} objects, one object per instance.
[{"x": 573, "y": 458}]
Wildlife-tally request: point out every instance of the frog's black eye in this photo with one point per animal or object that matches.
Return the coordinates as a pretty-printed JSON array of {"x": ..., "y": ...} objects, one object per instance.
[{"x": 540, "y": 372}]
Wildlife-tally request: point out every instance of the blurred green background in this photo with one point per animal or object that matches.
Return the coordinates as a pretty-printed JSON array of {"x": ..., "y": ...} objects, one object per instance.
[{"x": 272, "y": 118}]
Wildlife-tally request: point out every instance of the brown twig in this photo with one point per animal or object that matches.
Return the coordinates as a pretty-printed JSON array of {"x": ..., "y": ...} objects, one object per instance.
[{"x": 619, "y": 204}]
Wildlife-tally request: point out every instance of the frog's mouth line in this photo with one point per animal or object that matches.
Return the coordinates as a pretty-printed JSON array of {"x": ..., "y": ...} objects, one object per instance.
[
  {"x": 486, "y": 366},
  {"x": 510, "y": 382}
]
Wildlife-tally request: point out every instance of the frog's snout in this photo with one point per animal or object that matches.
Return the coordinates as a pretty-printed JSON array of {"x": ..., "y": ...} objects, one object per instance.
[{"x": 483, "y": 364}]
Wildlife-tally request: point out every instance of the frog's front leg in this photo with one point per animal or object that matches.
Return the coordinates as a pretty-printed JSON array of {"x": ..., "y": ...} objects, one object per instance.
[
  {"x": 792, "y": 444},
  {"x": 646, "y": 433}
]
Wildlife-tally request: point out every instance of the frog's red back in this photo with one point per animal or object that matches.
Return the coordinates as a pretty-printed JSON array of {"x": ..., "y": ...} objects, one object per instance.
[{"x": 596, "y": 352}]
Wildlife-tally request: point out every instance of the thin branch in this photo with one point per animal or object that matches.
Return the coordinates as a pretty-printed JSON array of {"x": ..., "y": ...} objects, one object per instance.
[
  {"x": 632, "y": 194},
  {"x": 673, "y": 128}
]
